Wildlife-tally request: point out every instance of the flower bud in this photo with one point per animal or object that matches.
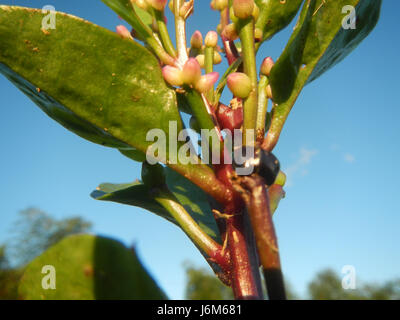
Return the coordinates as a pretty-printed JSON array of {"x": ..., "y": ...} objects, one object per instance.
[
  {"x": 211, "y": 39},
  {"x": 258, "y": 34},
  {"x": 206, "y": 82},
  {"x": 230, "y": 32},
  {"x": 266, "y": 66},
  {"x": 243, "y": 8},
  {"x": 217, "y": 58},
  {"x": 123, "y": 32},
  {"x": 191, "y": 72},
  {"x": 171, "y": 5},
  {"x": 142, "y": 4},
  {"x": 196, "y": 42},
  {"x": 172, "y": 75},
  {"x": 240, "y": 84},
  {"x": 213, "y": 5},
  {"x": 280, "y": 179},
  {"x": 201, "y": 60},
  {"x": 157, "y": 4},
  {"x": 268, "y": 90},
  {"x": 186, "y": 9},
  {"x": 220, "y": 4},
  {"x": 256, "y": 12},
  {"x": 275, "y": 195}
]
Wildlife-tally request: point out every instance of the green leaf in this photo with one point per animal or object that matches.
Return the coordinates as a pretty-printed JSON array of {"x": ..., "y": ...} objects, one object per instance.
[
  {"x": 136, "y": 17},
  {"x": 189, "y": 196},
  {"x": 275, "y": 15},
  {"x": 284, "y": 73},
  {"x": 104, "y": 88},
  {"x": 325, "y": 44},
  {"x": 89, "y": 267}
]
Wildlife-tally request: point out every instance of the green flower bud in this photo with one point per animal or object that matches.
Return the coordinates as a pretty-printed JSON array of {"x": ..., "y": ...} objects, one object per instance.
[
  {"x": 217, "y": 57},
  {"x": 268, "y": 90},
  {"x": 240, "y": 84},
  {"x": 280, "y": 179},
  {"x": 211, "y": 39},
  {"x": 243, "y": 9},
  {"x": 258, "y": 34},
  {"x": 220, "y": 4},
  {"x": 201, "y": 60}
]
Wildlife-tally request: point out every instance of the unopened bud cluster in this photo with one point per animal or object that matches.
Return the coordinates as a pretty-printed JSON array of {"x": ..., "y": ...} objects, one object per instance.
[
  {"x": 190, "y": 75},
  {"x": 197, "y": 47}
]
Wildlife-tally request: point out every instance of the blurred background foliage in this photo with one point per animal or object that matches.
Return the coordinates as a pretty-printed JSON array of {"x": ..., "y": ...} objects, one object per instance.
[{"x": 35, "y": 231}]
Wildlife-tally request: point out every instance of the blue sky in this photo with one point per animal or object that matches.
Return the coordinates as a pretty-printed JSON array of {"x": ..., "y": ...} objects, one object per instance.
[{"x": 339, "y": 146}]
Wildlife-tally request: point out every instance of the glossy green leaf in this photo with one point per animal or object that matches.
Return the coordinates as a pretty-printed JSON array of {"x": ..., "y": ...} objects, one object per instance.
[
  {"x": 139, "y": 19},
  {"x": 276, "y": 15},
  {"x": 88, "y": 267},
  {"x": 86, "y": 77},
  {"x": 193, "y": 199},
  {"x": 326, "y": 44},
  {"x": 284, "y": 73}
]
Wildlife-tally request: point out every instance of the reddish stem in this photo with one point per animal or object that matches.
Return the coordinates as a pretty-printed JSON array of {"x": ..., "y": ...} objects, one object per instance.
[{"x": 256, "y": 198}]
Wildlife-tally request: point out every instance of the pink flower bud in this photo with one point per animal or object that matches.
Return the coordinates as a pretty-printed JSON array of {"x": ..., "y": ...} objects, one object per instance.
[
  {"x": 196, "y": 41},
  {"x": 157, "y": 4},
  {"x": 211, "y": 39},
  {"x": 243, "y": 8},
  {"x": 172, "y": 75},
  {"x": 191, "y": 72},
  {"x": 206, "y": 82},
  {"x": 123, "y": 32},
  {"x": 266, "y": 66},
  {"x": 240, "y": 84}
]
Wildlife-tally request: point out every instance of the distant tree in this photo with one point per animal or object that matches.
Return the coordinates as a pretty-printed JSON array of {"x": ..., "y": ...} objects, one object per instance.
[
  {"x": 35, "y": 231},
  {"x": 327, "y": 285},
  {"x": 204, "y": 285}
]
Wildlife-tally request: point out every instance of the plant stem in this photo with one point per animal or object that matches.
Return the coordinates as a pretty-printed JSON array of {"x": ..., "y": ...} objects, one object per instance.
[
  {"x": 164, "y": 34},
  {"x": 209, "y": 67},
  {"x": 180, "y": 31},
  {"x": 192, "y": 229},
  {"x": 243, "y": 281},
  {"x": 255, "y": 196},
  {"x": 262, "y": 109},
  {"x": 246, "y": 35}
]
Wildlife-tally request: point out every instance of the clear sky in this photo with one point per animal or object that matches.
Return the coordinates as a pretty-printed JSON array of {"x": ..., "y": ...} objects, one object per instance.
[{"x": 340, "y": 148}]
